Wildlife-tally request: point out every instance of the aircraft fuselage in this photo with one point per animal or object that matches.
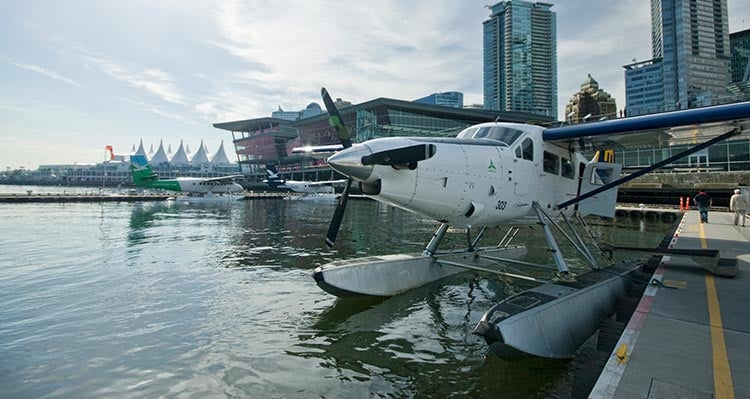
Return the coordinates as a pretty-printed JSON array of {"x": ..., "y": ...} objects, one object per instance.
[
  {"x": 195, "y": 185},
  {"x": 490, "y": 174}
]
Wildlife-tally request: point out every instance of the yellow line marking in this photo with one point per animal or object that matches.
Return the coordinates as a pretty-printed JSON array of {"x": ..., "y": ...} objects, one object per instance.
[{"x": 723, "y": 385}]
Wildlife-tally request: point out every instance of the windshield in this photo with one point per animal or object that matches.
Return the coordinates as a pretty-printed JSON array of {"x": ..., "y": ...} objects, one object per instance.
[{"x": 505, "y": 135}]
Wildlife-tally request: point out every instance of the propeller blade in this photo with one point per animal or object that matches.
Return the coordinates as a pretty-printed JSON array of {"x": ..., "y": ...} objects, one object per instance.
[
  {"x": 338, "y": 215},
  {"x": 335, "y": 120},
  {"x": 401, "y": 156}
]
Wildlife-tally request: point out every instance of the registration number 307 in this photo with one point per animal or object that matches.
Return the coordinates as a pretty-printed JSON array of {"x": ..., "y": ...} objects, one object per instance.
[{"x": 501, "y": 205}]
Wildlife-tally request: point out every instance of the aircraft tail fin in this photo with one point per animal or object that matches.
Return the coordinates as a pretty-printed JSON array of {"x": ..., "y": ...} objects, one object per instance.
[
  {"x": 273, "y": 179},
  {"x": 141, "y": 172}
]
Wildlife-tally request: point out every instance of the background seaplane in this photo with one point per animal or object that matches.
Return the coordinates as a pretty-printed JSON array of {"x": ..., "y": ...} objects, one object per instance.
[
  {"x": 495, "y": 174},
  {"x": 323, "y": 190},
  {"x": 196, "y": 189}
]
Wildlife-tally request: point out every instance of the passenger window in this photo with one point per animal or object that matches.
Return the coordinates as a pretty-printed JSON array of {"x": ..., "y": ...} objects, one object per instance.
[
  {"x": 518, "y": 152},
  {"x": 567, "y": 168},
  {"x": 527, "y": 147},
  {"x": 551, "y": 163}
]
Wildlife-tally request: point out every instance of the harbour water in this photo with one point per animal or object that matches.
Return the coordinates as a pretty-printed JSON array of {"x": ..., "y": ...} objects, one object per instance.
[{"x": 136, "y": 300}]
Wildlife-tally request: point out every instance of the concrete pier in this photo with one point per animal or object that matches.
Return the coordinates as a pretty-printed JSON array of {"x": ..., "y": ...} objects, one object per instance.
[{"x": 690, "y": 335}]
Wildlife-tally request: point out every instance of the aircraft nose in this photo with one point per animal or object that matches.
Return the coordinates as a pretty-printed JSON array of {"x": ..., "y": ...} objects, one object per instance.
[{"x": 348, "y": 162}]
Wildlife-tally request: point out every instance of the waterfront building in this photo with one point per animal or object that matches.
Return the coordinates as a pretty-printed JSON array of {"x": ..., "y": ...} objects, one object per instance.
[
  {"x": 116, "y": 170},
  {"x": 200, "y": 158},
  {"x": 311, "y": 110},
  {"x": 219, "y": 158},
  {"x": 591, "y": 103},
  {"x": 141, "y": 150},
  {"x": 690, "y": 47},
  {"x": 180, "y": 158},
  {"x": 160, "y": 158},
  {"x": 453, "y": 99},
  {"x": 265, "y": 140},
  {"x": 520, "y": 58}
]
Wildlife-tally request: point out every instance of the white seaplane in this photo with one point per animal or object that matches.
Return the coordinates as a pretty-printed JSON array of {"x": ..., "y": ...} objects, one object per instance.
[
  {"x": 309, "y": 190},
  {"x": 194, "y": 189},
  {"x": 494, "y": 174}
]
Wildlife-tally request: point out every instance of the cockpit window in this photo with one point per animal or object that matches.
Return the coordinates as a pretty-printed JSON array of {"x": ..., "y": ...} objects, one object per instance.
[
  {"x": 467, "y": 133},
  {"x": 505, "y": 135}
]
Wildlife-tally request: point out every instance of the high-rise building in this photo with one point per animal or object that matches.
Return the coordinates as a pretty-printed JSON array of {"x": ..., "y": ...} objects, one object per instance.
[
  {"x": 690, "y": 44},
  {"x": 739, "y": 42},
  {"x": 520, "y": 58},
  {"x": 453, "y": 99}
]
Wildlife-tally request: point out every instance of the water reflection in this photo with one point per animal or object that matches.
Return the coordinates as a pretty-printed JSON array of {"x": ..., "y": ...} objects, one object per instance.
[{"x": 156, "y": 300}]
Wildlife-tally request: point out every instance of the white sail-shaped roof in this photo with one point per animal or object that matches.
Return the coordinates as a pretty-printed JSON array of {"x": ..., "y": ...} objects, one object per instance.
[
  {"x": 140, "y": 150},
  {"x": 220, "y": 157},
  {"x": 160, "y": 157},
  {"x": 169, "y": 150},
  {"x": 200, "y": 157},
  {"x": 180, "y": 157},
  {"x": 151, "y": 151}
]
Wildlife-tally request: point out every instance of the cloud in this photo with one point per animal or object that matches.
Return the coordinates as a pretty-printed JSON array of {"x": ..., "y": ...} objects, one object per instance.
[
  {"x": 152, "y": 80},
  {"x": 48, "y": 73},
  {"x": 388, "y": 49}
]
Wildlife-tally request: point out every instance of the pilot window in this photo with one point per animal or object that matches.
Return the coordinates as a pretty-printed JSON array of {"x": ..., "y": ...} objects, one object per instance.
[
  {"x": 467, "y": 133},
  {"x": 502, "y": 134},
  {"x": 551, "y": 163},
  {"x": 567, "y": 169},
  {"x": 526, "y": 150}
]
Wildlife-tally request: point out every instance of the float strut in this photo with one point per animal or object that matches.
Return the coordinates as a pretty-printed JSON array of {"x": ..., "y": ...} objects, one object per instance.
[
  {"x": 562, "y": 267},
  {"x": 433, "y": 244}
]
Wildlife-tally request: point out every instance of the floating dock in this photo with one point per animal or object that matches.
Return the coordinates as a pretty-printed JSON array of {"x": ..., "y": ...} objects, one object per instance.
[
  {"x": 690, "y": 334},
  {"x": 666, "y": 215}
]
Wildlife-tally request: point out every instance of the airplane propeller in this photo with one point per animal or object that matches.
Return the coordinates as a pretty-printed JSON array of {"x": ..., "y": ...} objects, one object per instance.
[{"x": 334, "y": 119}]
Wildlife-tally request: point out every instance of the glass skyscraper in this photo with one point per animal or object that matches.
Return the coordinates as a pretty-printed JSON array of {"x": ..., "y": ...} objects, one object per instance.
[
  {"x": 690, "y": 44},
  {"x": 520, "y": 58},
  {"x": 453, "y": 99}
]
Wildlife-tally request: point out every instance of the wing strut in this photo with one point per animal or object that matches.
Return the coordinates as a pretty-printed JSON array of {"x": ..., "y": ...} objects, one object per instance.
[{"x": 643, "y": 171}]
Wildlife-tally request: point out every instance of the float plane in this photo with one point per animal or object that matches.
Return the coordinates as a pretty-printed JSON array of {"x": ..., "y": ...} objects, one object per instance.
[
  {"x": 309, "y": 189},
  {"x": 220, "y": 188},
  {"x": 496, "y": 174}
]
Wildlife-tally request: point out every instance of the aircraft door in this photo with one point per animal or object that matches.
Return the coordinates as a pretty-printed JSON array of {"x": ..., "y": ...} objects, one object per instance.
[
  {"x": 521, "y": 169},
  {"x": 596, "y": 175}
]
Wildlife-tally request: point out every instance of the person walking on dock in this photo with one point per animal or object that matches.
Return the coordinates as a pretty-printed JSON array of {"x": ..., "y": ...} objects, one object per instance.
[
  {"x": 703, "y": 201},
  {"x": 738, "y": 204}
]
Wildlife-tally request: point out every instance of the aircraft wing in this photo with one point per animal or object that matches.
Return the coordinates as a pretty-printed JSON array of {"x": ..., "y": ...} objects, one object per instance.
[
  {"x": 625, "y": 132},
  {"x": 225, "y": 179},
  {"x": 318, "y": 152},
  {"x": 320, "y": 183}
]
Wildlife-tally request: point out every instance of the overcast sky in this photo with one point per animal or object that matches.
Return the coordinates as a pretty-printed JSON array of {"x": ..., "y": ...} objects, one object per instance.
[{"x": 77, "y": 75}]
